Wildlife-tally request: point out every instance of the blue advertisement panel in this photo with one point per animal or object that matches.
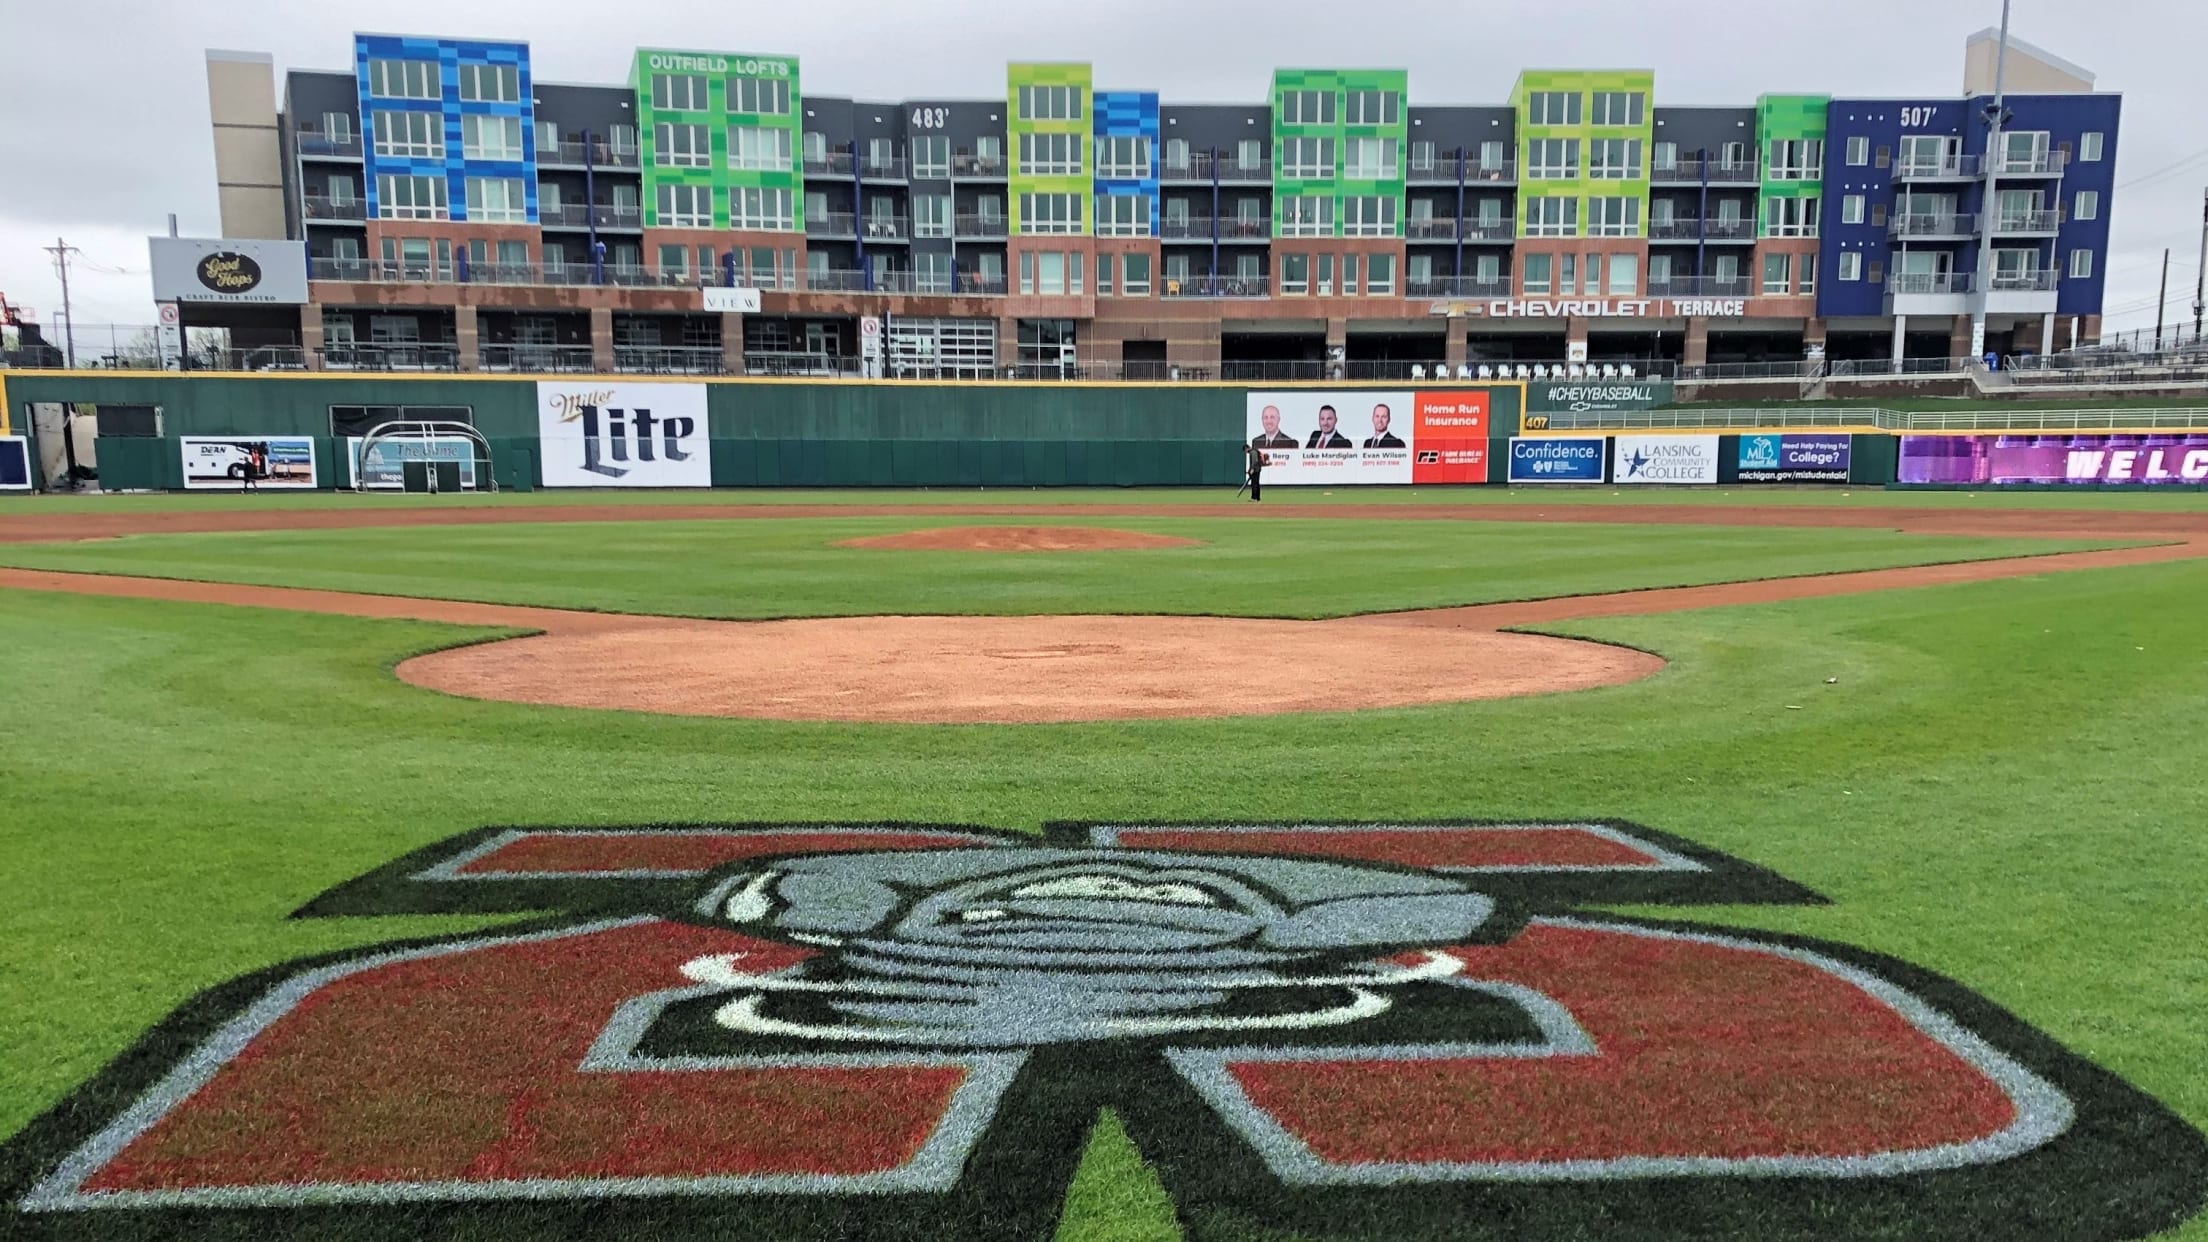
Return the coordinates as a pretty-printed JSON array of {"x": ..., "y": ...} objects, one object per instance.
[
  {"x": 1557, "y": 459},
  {"x": 1794, "y": 459}
]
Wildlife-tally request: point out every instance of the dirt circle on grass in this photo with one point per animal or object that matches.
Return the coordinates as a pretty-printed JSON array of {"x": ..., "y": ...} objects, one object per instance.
[
  {"x": 971, "y": 670},
  {"x": 1021, "y": 539}
]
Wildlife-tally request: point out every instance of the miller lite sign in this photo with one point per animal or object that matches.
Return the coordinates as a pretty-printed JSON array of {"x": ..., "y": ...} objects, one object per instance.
[{"x": 596, "y": 434}]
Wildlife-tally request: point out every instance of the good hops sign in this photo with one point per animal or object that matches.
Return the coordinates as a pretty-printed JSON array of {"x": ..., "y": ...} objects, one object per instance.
[{"x": 228, "y": 269}]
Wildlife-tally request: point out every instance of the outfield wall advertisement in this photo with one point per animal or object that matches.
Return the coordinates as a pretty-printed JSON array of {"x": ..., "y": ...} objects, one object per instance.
[
  {"x": 598, "y": 434},
  {"x": 1557, "y": 459},
  {"x": 1315, "y": 437},
  {"x": 2168, "y": 459},
  {"x": 1663, "y": 459},
  {"x": 1793, "y": 459},
  {"x": 384, "y": 469},
  {"x": 15, "y": 464},
  {"x": 274, "y": 462}
]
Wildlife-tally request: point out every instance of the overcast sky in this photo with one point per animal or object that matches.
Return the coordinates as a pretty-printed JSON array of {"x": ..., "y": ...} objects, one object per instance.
[{"x": 103, "y": 126}]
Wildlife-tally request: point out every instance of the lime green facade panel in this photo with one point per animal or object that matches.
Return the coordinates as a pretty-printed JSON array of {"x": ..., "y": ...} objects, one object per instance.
[
  {"x": 1790, "y": 118},
  {"x": 742, "y": 91},
  {"x": 1638, "y": 125},
  {"x": 1027, "y": 86}
]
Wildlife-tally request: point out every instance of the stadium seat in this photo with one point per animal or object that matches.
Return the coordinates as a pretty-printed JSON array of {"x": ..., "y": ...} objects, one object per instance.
[
  {"x": 1418, "y": 370},
  {"x": 1464, "y": 370},
  {"x": 1486, "y": 371}
]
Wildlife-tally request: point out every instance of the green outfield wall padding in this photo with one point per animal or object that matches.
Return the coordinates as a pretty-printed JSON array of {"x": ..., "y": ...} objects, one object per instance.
[{"x": 1874, "y": 460}]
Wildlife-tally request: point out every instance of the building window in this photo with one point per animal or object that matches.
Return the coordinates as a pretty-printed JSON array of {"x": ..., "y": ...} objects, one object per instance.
[
  {"x": 2081, "y": 265},
  {"x": 1050, "y": 267},
  {"x": 1134, "y": 274},
  {"x": 755, "y": 207},
  {"x": 681, "y": 146},
  {"x": 1552, "y": 217},
  {"x": 1368, "y": 215},
  {"x": 1050, "y": 155},
  {"x": 490, "y": 137},
  {"x": 1379, "y": 275},
  {"x": 1796, "y": 159},
  {"x": 1851, "y": 209},
  {"x": 1859, "y": 152},
  {"x": 1369, "y": 159},
  {"x": 1665, "y": 156},
  {"x": 1851, "y": 266},
  {"x": 1307, "y": 159},
  {"x": 1614, "y": 159},
  {"x": 1307, "y": 107},
  {"x": 409, "y": 135},
  {"x": 2089, "y": 148},
  {"x": 1553, "y": 108},
  {"x": 1295, "y": 274},
  {"x": 341, "y": 189},
  {"x": 1619, "y": 107},
  {"x": 1778, "y": 273},
  {"x": 1613, "y": 217},
  {"x": 1422, "y": 157},
  {"x": 1535, "y": 269},
  {"x": 684, "y": 207},
  {"x": 338, "y": 127},
  {"x": 1306, "y": 215},
  {"x": 403, "y": 79},
  {"x": 1373, "y": 107},
  {"x": 490, "y": 84},
  {"x": 2087, "y": 205},
  {"x": 759, "y": 147},
  {"x": 1050, "y": 103},
  {"x": 497, "y": 200},
  {"x": 1552, "y": 159},
  {"x": 931, "y": 215},
  {"x": 931, "y": 157},
  {"x": 1050, "y": 213},
  {"x": 1927, "y": 155},
  {"x": 1791, "y": 217},
  {"x": 1809, "y": 275},
  {"x": 1123, "y": 215},
  {"x": 759, "y": 96},
  {"x": 931, "y": 273},
  {"x": 1625, "y": 274},
  {"x": 1123, "y": 159},
  {"x": 410, "y": 198},
  {"x": 679, "y": 92}
]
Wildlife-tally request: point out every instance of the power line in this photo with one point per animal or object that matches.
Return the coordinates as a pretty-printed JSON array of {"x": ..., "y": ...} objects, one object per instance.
[{"x": 2195, "y": 158}]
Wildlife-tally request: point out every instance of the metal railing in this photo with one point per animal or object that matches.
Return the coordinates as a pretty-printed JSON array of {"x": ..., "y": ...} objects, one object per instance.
[
  {"x": 551, "y": 359},
  {"x": 1430, "y": 228},
  {"x": 1942, "y": 168},
  {"x": 312, "y": 142},
  {"x": 1914, "y": 283},
  {"x": 826, "y": 164},
  {"x": 1203, "y": 166},
  {"x": 975, "y": 168},
  {"x": 886, "y": 168},
  {"x": 982, "y": 226},
  {"x": 1980, "y": 418},
  {"x": 390, "y": 357},
  {"x": 591, "y": 215},
  {"x": 1700, "y": 287},
  {"x": 1457, "y": 287},
  {"x": 1215, "y": 287},
  {"x": 1931, "y": 224},
  {"x": 574, "y": 153},
  {"x": 670, "y": 359},
  {"x": 2045, "y": 164},
  {"x": 1719, "y": 172},
  {"x": 318, "y": 207},
  {"x": 1828, "y": 369},
  {"x": 2038, "y": 280},
  {"x": 1230, "y": 228},
  {"x": 2011, "y": 222},
  {"x": 1449, "y": 169}
]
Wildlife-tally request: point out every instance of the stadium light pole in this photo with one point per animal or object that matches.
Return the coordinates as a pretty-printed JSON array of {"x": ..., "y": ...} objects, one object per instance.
[{"x": 1988, "y": 217}]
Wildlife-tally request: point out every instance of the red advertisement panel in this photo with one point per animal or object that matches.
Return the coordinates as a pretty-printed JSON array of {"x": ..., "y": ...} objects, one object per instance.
[{"x": 1450, "y": 437}]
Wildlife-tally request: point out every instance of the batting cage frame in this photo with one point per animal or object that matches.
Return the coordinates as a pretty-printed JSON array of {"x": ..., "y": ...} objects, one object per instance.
[{"x": 424, "y": 435}]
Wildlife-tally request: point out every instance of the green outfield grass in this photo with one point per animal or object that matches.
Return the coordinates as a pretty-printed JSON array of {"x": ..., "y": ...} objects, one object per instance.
[
  {"x": 1876, "y": 497},
  {"x": 1291, "y": 567}
]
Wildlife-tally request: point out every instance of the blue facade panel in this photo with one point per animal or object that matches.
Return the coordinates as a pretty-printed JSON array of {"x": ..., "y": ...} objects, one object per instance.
[
  {"x": 1882, "y": 124},
  {"x": 452, "y": 165},
  {"x": 1129, "y": 114}
]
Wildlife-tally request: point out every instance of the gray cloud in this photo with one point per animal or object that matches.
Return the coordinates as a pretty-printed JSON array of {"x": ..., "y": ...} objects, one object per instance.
[{"x": 104, "y": 129}]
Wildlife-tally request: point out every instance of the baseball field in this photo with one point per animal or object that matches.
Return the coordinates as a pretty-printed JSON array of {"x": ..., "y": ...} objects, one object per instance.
[{"x": 1105, "y": 865}]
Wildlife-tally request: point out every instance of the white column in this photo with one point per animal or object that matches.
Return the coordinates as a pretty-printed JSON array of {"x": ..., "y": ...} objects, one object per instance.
[
  {"x": 2047, "y": 333},
  {"x": 1901, "y": 330}
]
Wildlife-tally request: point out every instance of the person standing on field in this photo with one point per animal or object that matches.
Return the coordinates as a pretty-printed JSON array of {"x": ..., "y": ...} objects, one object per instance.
[{"x": 1257, "y": 462}]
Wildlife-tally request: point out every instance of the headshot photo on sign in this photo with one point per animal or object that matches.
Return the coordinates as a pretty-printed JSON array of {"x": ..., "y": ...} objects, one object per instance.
[
  {"x": 1381, "y": 437},
  {"x": 1272, "y": 436},
  {"x": 1326, "y": 437}
]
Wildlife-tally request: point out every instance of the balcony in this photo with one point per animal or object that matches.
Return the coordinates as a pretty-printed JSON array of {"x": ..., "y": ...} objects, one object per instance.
[
  {"x": 887, "y": 168},
  {"x": 1729, "y": 230},
  {"x": 1229, "y": 228},
  {"x": 840, "y": 225},
  {"x": 1457, "y": 287},
  {"x": 983, "y": 228},
  {"x": 1928, "y": 293},
  {"x": 2044, "y": 164},
  {"x": 844, "y": 226},
  {"x": 334, "y": 210},
  {"x": 1937, "y": 168},
  {"x": 2025, "y": 223},
  {"x": 973, "y": 168},
  {"x": 2036, "y": 280},
  {"x": 1215, "y": 287},
  {"x": 314, "y": 145},
  {"x": 602, "y": 216},
  {"x": 885, "y": 228},
  {"x": 1203, "y": 167},
  {"x": 827, "y": 164},
  {"x": 1715, "y": 172},
  {"x": 554, "y": 359},
  {"x": 1923, "y": 225},
  {"x": 1700, "y": 287},
  {"x": 1701, "y": 230},
  {"x": 575, "y": 153},
  {"x": 1430, "y": 228},
  {"x": 411, "y": 356},
  {"x": 638, "y": 276}
]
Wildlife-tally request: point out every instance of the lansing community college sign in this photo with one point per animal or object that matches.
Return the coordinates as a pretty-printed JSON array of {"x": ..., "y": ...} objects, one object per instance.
[{"x": 1614, "y": 308}]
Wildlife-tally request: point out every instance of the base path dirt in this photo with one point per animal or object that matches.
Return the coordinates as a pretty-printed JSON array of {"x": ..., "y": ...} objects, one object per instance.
[{"x": 1021, "y": 539}]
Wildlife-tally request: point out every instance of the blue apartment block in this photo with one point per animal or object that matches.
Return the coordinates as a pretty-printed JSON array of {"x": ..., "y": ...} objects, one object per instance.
[{"x": 449, "y": 129}]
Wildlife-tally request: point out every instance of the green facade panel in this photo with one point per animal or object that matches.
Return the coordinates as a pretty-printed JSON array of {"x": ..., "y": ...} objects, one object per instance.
[
  {"x": 1385, "y": 180},
  {"x": 1581, "y": 186},
  {"x": 1788, "y": 119},
  {"x": 1025, "y": 83},
  {"x": 742, "y": 92}
]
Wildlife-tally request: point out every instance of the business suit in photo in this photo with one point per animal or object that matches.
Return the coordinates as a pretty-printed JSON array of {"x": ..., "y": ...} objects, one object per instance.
[
  {"x": 1329, "y": 440},
  {"x": 1390, "y": 440}
]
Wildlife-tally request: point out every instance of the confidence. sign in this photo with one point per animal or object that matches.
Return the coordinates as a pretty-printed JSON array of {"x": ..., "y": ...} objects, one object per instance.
[
  {"x": 1793, "y": 459},
  {"x": 1664, "y": 459},
  {"x": 1556, "y": 460}
]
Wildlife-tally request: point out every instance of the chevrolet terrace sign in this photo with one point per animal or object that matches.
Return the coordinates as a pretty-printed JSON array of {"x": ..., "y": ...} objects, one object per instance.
[{"x": 1613, "y": 308}]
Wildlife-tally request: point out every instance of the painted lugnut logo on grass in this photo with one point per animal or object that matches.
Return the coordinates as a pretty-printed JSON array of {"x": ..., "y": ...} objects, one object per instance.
[
  {"x": 1337, "y": 1031},
  {"x": 595, "y": 434}
]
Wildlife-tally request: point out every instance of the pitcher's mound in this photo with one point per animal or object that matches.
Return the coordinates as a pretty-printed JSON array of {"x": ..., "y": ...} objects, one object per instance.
[{"x": 1021, "y": 539}]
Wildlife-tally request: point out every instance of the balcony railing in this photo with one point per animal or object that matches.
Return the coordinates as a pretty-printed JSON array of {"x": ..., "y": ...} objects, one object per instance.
[
  {"x": 391, "y": 357},
  {"x": 320, "y": 208},
  {"x": 976, "y": 168},
  {"x": 1228, "y": 169},
  {"x": 1700, "y": 287},
  {"x": 888, "y": 168},
  {"x": 1937, "y": 168},
  {"x": 2013, "y": 222},
  {"x": 574, "y": 153},
  {"x": 2037, "y": 280},
  {"x": 1431, "y": 228},
  {"x": 1230, "y": 228},
  {"x": 827, "y": 164},
  {"x": 2044, "y": 164},
  {"x": 588, "y": 215},
  {"x": 885, "y": 228},
  {"x": 837, "y": 224},
  {"x": 345, "y": 145},
  {"x": 983, "y": 226},
  {"x": 1721, "y": 229},
  {"x": 670, "y": 359},
  {"x": 550, "y": 358},
  {"x": 1716, "y": 172},
  {"x": 1927, "y": 283},
  {"x": 1457, "y": 287},
  {"x": 1919, "y": 224},
  {"x": 1215, "y": 287}
]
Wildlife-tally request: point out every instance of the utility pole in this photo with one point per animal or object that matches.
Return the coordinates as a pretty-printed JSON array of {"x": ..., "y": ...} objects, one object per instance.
[
  {"x": 1988, "y": 215},
  {"x": 2162, "y": 303},
  {"x": 2200, "y": 277},
  {"x": 61, "y": 250}
]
